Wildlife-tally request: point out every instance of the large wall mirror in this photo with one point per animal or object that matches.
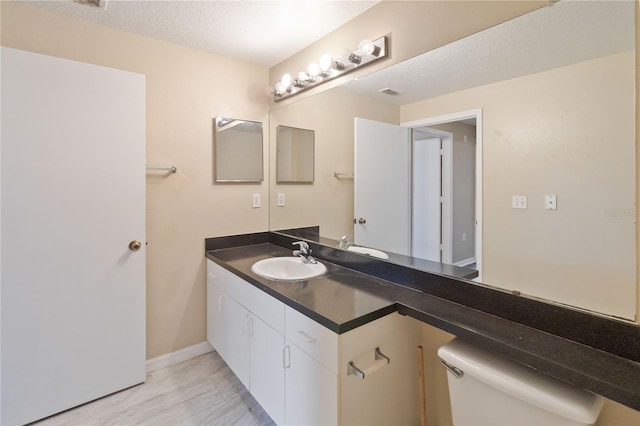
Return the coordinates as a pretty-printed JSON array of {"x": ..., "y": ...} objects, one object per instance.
[
  {"x": 535, "y": 122},
  {"x": 237, "y": 150}
]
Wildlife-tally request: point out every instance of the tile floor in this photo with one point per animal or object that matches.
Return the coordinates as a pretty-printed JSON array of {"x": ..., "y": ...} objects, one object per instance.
[{"x": 200, "y": 391}]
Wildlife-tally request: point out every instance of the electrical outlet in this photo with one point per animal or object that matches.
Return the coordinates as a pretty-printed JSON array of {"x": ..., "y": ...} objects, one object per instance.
[
  {"x": 550, "y": 202},
  {"x": 256, "y": 201},
  {"x": 280, "y": 199}
]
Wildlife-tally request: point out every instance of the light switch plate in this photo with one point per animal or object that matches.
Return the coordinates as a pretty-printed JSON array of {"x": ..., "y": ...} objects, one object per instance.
[
  {"x": 280, "y": 199},
  {"x": 519, "y": 202},
  {"x": 256, "y": 201}
]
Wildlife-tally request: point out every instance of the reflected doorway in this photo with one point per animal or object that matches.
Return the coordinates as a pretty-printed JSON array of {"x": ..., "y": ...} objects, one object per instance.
[{"x": 461, "y": 176}]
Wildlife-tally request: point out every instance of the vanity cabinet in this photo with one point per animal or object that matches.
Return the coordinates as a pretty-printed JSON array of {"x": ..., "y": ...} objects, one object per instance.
[
  {"x": 297, "y": 369},
  {"x": 254, "y": 340},
  {"x": 311, "y": 390},
  {"x": 388, "y": 394},
  {"x": 312, "y": 358},
  {"x": 249, "y": 344}
]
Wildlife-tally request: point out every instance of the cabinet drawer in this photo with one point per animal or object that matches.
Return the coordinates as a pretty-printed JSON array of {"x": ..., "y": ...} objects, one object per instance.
[
  {"x": 216, "y": 275},
  {"x": 264, "y": 306},
  {"x": 313, "y": 338}
]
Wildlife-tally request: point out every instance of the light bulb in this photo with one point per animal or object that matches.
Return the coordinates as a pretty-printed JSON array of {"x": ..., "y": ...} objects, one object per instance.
[
  {"x": 303, "y": 76},
  {"x": 314, "y": 70},
  {"x": 280, "y": 89},
  {"x": 286, "y": 80},
  {"x": 368, "y": 48},
  {"x": 325, "y": 62}
]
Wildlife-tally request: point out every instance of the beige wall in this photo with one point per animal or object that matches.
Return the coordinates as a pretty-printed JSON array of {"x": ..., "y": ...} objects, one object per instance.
[
  {"x": 185, "y": 89},
  {"x": 541, "y": 136},
  {"x": 328, "y": 202}
]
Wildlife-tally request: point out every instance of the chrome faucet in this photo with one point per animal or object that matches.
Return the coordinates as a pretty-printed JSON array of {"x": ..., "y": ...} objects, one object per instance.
[
  {"x": 345, "y": 243},
  {"x": 304, "y": 252}
]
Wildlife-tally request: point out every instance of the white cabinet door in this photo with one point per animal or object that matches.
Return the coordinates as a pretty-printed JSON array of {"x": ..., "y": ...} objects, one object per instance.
[
  {"x": 237, "y": 354},
  {"x": 251, "y": 347},
  {"x": 73, "y": 198},
  {"x": 311, "y": 391},
  {"x": 215, "y": 318},
  {"x": 267, "y": 371}
]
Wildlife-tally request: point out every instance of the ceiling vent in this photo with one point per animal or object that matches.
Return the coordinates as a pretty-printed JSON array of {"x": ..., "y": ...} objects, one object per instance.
[
  {"x": 102, "y": 4},
  {"x": 388, "y": 91}
]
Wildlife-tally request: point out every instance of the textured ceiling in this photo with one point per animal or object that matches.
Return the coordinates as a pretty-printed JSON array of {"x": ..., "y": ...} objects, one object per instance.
[
  {"x": 261, "y": 32},
  {"x": 567, "y": 33}
]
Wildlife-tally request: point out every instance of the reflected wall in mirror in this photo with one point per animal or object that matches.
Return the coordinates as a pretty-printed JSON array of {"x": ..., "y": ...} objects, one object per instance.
[
  {"x": 556, "y": 88},
  {"x": 237, "y": 150},
  {"x": 295, "y": 155}
]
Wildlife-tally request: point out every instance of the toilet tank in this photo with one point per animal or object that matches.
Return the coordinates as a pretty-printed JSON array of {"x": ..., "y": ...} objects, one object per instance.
[{"x": 495, "y": 391}]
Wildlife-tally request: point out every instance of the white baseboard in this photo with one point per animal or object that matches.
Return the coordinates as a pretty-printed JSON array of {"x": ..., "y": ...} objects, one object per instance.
[
  {"x": 176, "y": 357},
  {"x": 465, "y": 262}
]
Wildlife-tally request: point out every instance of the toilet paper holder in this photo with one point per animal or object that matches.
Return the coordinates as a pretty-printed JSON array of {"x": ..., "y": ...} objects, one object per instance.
[{"x": 380, "y": 361}]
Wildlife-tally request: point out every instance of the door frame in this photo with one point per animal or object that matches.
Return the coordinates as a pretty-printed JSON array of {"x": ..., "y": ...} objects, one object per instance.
[{"x": 459, "y": 116}]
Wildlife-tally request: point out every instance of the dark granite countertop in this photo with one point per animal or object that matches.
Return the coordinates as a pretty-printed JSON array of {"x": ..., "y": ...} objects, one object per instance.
[
  {"x": 313, "y": 234},
  {"x": 326, "y": 298},
  {"x": 595, "y": 353}
]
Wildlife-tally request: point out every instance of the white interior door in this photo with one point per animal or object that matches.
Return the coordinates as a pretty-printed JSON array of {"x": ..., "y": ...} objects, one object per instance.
[
  {"x": 427, "y": 205},
  {"x": 382, "y": 186},
  {"x": 73, "y": 197}
]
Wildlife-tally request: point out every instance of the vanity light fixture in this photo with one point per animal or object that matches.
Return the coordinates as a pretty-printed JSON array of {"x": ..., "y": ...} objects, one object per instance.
[{"x": 328, "y": 68}]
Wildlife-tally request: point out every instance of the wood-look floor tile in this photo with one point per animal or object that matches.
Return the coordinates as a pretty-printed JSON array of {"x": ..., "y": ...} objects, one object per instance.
[{"x": 200, "y": 391}]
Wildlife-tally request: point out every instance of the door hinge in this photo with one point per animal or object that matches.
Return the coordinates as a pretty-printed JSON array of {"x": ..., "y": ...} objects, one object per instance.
[
  {"x": 441, "y": 199},
  {"x": 441, "y": 247},
  {"x": 441, "y": 151}
]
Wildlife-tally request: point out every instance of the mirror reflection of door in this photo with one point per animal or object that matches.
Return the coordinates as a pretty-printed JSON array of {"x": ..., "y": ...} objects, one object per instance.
[{"x": 382, "y": 186}]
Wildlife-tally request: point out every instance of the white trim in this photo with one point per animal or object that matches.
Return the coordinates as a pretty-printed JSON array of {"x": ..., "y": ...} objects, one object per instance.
[
  {"x": 465, "y": 262},
  {"x": 179, "y": 356},
  {"x": 457, "y": 116}
]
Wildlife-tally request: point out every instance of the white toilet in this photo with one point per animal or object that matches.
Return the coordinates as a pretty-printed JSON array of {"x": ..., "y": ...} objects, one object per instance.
[{"x": 486, "y": 389}]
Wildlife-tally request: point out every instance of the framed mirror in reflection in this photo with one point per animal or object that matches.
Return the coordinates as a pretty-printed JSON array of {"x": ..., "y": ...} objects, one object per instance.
[
  {"x": 295, "y": 155},
  {"x": 237, "y": 150},
  {"x": 553, "y": 100}
]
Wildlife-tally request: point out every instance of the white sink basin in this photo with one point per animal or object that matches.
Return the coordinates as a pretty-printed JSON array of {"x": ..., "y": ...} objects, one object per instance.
[
  {"x": 287, "y": 269},
  {"x": 369, "y": 251}
]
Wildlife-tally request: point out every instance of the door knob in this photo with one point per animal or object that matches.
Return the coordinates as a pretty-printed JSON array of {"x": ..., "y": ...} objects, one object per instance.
[
  {"x": 361, "y": 221},
  {"x": 135, "y": 245}
]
